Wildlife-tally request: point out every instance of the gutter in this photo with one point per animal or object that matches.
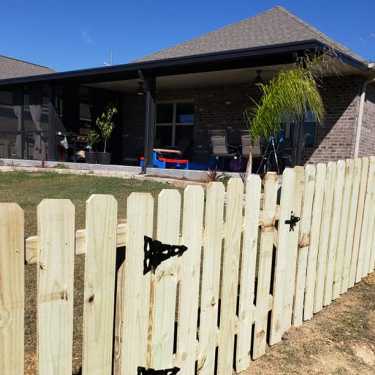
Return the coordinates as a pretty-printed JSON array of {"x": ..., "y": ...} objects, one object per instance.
[{"x": 361, "y": 112}]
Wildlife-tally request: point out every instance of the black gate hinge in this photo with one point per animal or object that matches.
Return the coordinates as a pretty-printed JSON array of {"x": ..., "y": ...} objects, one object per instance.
[
  {"x": 150, "y": 371},
  {"x": 292, "y": 222},
  {"x": 156, "y": 252}
]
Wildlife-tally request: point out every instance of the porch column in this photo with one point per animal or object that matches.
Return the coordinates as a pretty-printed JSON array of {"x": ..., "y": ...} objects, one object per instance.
[
  {"x": 149, "y": 88},
  {"x": 52, "y": 152},
  {"x": 18, "y": 108}
]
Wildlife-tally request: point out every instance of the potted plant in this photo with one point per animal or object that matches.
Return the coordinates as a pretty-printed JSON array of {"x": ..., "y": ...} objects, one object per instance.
[
  {"x": 105, "y": 127},
  {"x": 91, "y": 155}
]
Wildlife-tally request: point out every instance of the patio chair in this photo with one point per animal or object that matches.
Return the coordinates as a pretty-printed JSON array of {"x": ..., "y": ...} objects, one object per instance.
[
  {"x": 247, "y": 146},
  {"x": 220, "y": 149}
]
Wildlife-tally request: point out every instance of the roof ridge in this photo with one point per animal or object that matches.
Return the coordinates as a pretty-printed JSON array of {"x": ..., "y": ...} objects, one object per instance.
[
  {"x": 320, "y": 33},
  {"x": 243, "y": 20},
  {"x": 252, "y": 31},
  {"x": 25, "y": 62}
]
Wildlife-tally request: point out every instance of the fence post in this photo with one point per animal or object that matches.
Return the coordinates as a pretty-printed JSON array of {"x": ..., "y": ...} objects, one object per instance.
[
  {"x": 55, "y": 286},
  {"x": 11, "y": 289},
  {"x": 99, "y": 286}
]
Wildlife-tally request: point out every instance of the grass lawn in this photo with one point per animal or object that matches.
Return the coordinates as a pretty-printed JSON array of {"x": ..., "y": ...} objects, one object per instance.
[{"x": 28, "y": 189}]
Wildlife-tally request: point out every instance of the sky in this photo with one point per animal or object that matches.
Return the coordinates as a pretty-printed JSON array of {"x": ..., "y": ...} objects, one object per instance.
[{"x": 76, "y": 34}]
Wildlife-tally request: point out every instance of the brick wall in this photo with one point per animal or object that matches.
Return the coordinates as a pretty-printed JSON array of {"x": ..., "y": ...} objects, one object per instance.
[
  {"x": 222, "y": 107},
  {"x": 336, "y": 136},
  {"x": 367, "y": 140}
]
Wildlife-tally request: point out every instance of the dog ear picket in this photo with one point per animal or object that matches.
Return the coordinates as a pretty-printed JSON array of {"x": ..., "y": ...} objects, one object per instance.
[
  {"x": 11, "y": 289},
  {"x": 55, "y": 286},
  {"x": 99, "y": 284}
]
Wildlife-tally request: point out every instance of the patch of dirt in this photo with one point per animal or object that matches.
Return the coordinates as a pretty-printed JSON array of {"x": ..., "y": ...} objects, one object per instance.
[{"x": 339, "y": 340}]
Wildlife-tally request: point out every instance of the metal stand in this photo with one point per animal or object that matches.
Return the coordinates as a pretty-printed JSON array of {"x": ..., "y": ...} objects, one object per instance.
[{"x": 270, "y": 152}]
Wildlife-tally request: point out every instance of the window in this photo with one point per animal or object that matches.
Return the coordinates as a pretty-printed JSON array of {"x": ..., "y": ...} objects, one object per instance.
[
  {"x": 174, "y": 123},
  {"x": 310, "y": 129}
]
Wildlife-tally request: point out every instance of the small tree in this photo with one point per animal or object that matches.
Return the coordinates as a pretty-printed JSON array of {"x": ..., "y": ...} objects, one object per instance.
[
  {"x": 291, "y": 93},
  {"x": 105, "y": 124}
]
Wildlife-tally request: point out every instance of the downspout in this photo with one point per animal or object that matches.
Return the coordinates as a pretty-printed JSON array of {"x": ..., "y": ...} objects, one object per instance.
[{"x": 360, "y": 113}]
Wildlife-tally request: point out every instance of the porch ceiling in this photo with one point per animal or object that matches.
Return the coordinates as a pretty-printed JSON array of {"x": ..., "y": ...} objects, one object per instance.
[
  {"x": 195, "y": 80},
  {"x": 215, "y": 78}
]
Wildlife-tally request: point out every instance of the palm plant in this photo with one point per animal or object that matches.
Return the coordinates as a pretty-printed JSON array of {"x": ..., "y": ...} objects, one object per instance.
[{"x": 291, "y": 93}]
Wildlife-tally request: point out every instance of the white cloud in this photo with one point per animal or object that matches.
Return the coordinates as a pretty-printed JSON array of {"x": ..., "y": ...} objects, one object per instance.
[{"x": 86, "y": 37}]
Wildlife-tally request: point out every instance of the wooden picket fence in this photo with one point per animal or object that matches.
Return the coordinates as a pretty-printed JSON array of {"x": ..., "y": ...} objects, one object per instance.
[{"x": 244, "y": 270}]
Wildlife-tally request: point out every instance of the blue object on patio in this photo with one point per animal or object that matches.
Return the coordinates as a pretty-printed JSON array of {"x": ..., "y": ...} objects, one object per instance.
[{"x": 160, "y": 161}]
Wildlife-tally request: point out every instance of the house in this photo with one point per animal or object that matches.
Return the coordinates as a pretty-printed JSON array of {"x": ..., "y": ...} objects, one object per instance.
[{"x": 180, "y": 96}]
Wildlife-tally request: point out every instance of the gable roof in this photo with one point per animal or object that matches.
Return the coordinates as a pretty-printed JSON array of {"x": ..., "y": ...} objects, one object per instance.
[
  {"x": 11, "y": 68},
  {"x": 275, "y": 26}
]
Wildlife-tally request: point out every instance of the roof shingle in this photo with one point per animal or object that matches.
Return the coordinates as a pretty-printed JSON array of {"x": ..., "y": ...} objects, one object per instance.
[
  {"x": 11, "y": 68},
  {"x": 275, "y": 26}
]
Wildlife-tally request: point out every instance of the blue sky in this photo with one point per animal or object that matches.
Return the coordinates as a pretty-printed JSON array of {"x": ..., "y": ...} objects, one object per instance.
[{"x": 74, "y": 34}]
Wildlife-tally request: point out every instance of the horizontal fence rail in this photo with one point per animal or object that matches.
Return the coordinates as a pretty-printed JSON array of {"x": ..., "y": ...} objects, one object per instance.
[{"x": 211, "y": 277}]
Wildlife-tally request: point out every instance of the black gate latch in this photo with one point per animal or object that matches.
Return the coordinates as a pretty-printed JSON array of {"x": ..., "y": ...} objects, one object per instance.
[
  {"x": 150, "y": 371},
  {"x": 292, "y": 222},
  {"x": 156, "y": 252}
]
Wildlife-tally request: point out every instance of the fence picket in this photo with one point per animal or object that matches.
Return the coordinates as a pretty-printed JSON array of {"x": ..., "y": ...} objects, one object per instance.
[
  {"x": 371, "y": 232},
  {"x": 229, "y": 286},
  {"x": 351, "y": 225},
  {"x": 344, "y": 221},
  {"x": 284, "y": 247},
  {"x": 265, "y": 264},
  {"x": 304, "y": 243},
  {"x": 334, "y": 231},
  {"x": 119, "y": 320},
  {"x": 99, "y": 285},
  {"x": 325, "y": 231},
  {"x": 11, "y": 289},
  {"x": 213, "y": 240},
  {"x": 314, "y": 241},
  {"x": 293, "y": 249},
  {"x": 134, "y": 310},
  {"x": 359, "y": 221},
  {"x": 246, "y": 307},
  {"x": 55, "y": 286},
  {"x": 362, "y": 264},
  {"x": 192, "y": 230},
  {"x": 164, "y": 283}
]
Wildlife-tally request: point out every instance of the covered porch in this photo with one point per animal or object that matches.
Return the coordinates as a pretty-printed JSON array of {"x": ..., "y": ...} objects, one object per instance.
[{"x": 181, "y": 112}]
